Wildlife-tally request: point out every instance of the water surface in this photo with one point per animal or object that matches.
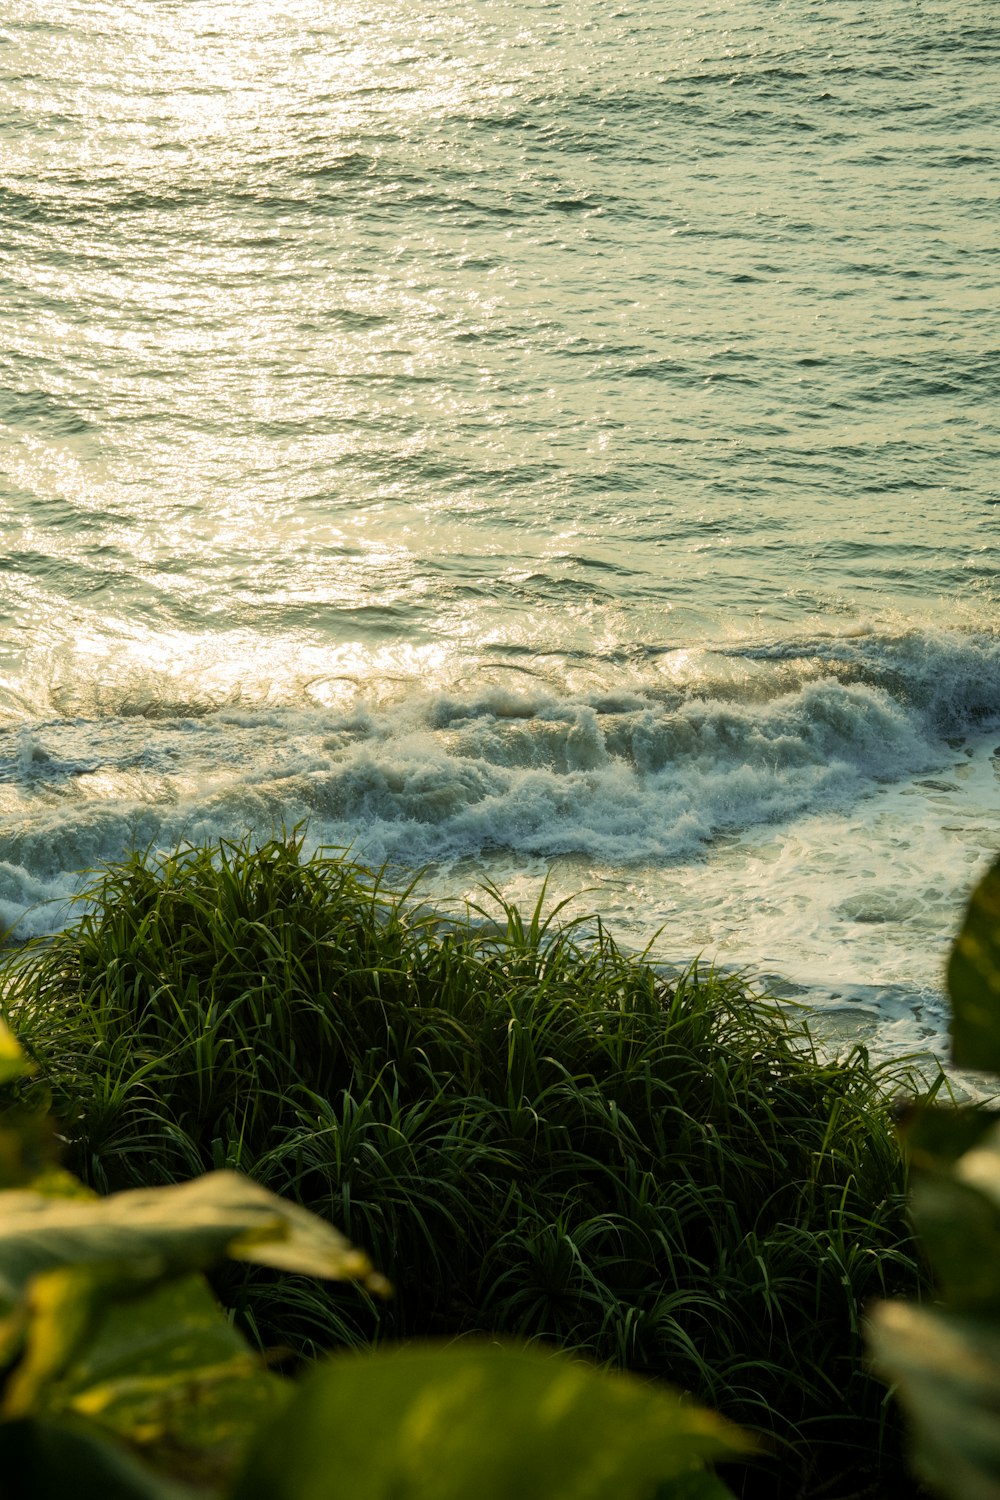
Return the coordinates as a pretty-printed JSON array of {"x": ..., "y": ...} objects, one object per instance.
[{"x": 526, "y": 437}]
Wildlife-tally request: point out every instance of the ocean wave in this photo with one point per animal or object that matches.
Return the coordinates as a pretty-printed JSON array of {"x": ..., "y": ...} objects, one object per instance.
[
  {"x": 639, "y": 773},
  {"x": 951, "y": 678}
]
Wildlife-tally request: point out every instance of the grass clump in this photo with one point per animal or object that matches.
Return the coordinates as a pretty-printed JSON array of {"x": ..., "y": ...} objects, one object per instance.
[{"x": 530, "y": 1134}]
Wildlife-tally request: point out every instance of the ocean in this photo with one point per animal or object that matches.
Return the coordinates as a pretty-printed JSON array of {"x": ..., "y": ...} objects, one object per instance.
[{"x": 532, "y": 440}]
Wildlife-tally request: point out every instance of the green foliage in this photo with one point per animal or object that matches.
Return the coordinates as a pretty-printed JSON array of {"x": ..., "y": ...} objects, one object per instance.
[
  {"x": 107, "y": 1330},
  {"x": 168, "y": 1230},
  {"x": 107, "y": 1334},
  {"x": 46, "y": 1461},
  {"x": 535, "y": 1135},
  {"x": 13, "y": 1063},
  {"x": 446, "y": 1423},
  {"x": 158, "y": 1368},
  {"x": 946, "y": 1359},
  {"x": 974, "y": 980}
]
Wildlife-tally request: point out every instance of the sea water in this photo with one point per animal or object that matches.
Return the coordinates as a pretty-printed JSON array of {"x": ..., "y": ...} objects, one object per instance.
[{"x": 516, "y": 438}]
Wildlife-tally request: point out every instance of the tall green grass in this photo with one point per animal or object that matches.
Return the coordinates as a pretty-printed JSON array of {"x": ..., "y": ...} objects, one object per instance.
[{"x": 531, "y": 1133}]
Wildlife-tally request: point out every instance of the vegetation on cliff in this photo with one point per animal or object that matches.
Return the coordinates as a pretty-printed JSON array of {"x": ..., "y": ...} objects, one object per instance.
[{"x": 531, "y": 1133}]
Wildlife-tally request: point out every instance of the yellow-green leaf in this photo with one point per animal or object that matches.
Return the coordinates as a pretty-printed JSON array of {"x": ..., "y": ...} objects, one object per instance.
[
  {"x": 697, "y": 1484},
  {"x": 56, "y": 1319},
  {"x": 162, "y": 1231},
  {"x": 946, "y": 1369},
  {"x": 159, "y": 1367},
  {"x": 463, "y": 1420},
  {"x": 974, "y": 979},
  {"x": 170, "y": 1374},
  {"x": 13, "y": 1063},
  {"x": 44, "y": 1461}
]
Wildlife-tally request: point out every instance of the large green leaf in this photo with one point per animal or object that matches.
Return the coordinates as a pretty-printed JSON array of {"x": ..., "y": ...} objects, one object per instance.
[
  {"x": 28, "y": 1153},
  {"x": 946, "y": 1368},
  {"x": 41, "y": 1461},
  {"x": 945, "y": 1363},
  {"x": 696, "y": 1484},
  {"x": 935, "y": 1138},
  {"x": 956, "y": 1208},
  {"x": 959, "y": 1230},
  {"x": 974, "y": 979},
  {"x": 979, "y": 1167},
  {"x": 162, "y": 1369},
  {"x": 455, "y": 1421},
  {"x": 158, "y": 1232},
  {"x": 13, "y": 1063},
  {"x": 105, "y": 1322}
]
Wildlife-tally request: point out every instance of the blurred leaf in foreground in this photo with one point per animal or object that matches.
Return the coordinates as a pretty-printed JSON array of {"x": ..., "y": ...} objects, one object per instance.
[
  {"x": 104, "y": 1320},
  {"x": 946, "y": 1368},
  {"x": 974, "y": 979},
  {"x": 935, "y": 1138},
  {"x": 696, "y": 1484},
  {"x": 945, "y": 1361},
  {"x": 163, "y": 1231},
  {"x": 42, "y": 1462},
  {"x": 469, "y": 1419},
  {"x": 162, "y": 1370},
  {"x": 13, "y": 1063}
]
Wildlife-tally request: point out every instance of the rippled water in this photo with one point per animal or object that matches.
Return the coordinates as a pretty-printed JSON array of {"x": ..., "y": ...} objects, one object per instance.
[{"x": 525, "y": 436}]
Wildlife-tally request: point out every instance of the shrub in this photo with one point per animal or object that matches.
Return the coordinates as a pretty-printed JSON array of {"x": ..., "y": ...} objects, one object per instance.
[
  {"x": 532, "y": 1132},
  {"x": 120, "y": 1375}
]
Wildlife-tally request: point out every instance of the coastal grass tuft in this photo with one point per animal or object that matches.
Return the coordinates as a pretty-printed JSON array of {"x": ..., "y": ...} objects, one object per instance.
[{"x": 531, "y": 1132}]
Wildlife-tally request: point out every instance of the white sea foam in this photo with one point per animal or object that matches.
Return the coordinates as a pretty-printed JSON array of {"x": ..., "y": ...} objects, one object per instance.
[{"x": 791, "y": 831}]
